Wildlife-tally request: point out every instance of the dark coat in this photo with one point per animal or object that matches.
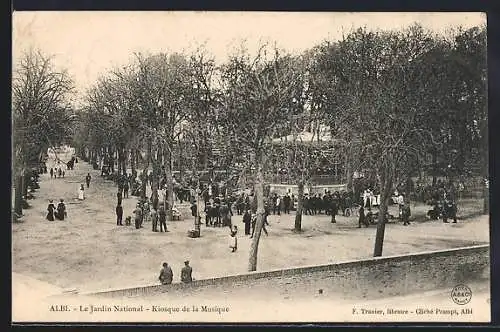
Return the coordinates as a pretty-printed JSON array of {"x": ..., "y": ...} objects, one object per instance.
[
  {"x": 186, "y": 274},
  {"x": 119, "y": 210},
  {"x": 50, "y": 212},
  {"x": 61, "y": 211},
  {"x": 361, "y": 215},
  {"x": 166, "y": 275}
]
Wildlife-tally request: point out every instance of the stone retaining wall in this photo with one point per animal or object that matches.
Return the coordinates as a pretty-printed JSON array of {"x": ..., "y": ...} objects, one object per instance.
[{"x": 369, "y": 278}]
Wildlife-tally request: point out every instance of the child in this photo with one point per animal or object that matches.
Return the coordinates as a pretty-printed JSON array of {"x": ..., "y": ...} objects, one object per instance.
[{"x": 233, "y": 240}]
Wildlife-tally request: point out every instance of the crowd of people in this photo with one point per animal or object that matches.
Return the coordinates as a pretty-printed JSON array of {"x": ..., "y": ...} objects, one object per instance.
[{"x": 219, "y": 205}]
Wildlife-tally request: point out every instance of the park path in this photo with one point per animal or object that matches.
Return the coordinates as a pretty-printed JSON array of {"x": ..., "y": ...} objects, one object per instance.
[{"x": 89, "y": 252}]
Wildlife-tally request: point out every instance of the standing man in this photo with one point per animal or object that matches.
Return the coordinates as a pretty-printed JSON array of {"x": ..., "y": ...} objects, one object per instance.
[
  {"x": 334, "y": 208},
  {"x": 247, "y": 219},
  {"x": 286, "y": 203},
  {"x": 307, "y": 205},
  {"x": 119, "y": 214},
  {"x": 87, "y": 179},
  {"x": 405, "y": 214},
  {"x": 186, "y": 273},
  {"x": 138, "y": 216},
  {"x": 166, "y": 275},
  {"x": 208, "y": 213},
  {"x": 361, "y": 219},
  {"x": 154, "y": 219},
  {"x": 162, "y": 216},
  {"x": 51, "y": 173}
]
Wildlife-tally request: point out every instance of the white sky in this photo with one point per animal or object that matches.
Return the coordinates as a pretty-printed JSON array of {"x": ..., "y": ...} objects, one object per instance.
[{"x": 88, "y": 43}]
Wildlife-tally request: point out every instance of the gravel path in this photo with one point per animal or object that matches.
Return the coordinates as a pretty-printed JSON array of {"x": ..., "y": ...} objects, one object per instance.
[{"x": 89, "y": 252}]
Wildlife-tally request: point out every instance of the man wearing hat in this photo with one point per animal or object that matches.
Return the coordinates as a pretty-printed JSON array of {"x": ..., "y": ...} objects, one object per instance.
[
  {"x": 166, "y": 275},
  {"x": 307, "y": 205},
  {"x": 186, "y": 273},
  {"x": 138, "y": 216},
  {"x": 247, "y": 220},
  {"x": 162, "y": 217},
  {"x": 119, "y": 215}
]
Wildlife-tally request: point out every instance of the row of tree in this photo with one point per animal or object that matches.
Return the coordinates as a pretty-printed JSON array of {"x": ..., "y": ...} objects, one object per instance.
[
  {"x": 42, "y": 117},
  {"x": 392, "y": 98}
]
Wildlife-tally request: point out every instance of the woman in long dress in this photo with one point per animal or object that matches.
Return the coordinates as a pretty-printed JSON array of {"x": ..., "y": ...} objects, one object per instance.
[
  {"x": 50, "y": 211},
  {"x": 61, "y": 210},
  {"x": 81, "y": 193}
]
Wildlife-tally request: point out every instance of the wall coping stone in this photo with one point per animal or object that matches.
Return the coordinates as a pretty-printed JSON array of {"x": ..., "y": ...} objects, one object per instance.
[{"x": 279, "y": 273}]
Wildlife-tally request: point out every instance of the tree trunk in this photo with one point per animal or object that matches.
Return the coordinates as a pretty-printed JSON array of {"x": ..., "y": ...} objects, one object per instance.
[
  {"x": 486, "y": 192},
  {"x": 167, "y": 157},
  {"x": 145, "y": 171},
  {"x": 181, "y": 160},
  {"x": 155, "y": 186},
  {"x": 385, "y": 194},
  {"x": 18, "y": 207},
  {"x": 434, "y": 168},
  {"x": 124, "y": 161},
  {"x": 156, "y": 176},
  {"x": 26, "y": 181},
  {"x": 121, "y": 157},
  {"x": 300, "y": 202},
  {"x": 132, "y": 160},
  {"x": 259, "y": 194},
  {"x": 349, "y": 175}
]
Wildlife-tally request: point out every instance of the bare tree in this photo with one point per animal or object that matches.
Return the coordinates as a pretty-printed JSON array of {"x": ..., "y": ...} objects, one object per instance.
[
  {"x": 42, "y": 114},
  {"x": 257, "y": 93},
  {"x": 378, "y": 104},
  {"x": 161, "y": 89}
]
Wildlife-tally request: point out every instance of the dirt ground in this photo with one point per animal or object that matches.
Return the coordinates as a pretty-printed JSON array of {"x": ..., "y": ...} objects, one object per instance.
[{"x": 89, "y": 252}]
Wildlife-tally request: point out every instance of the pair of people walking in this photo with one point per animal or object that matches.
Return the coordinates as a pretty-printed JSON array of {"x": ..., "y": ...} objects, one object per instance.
[
  {"x": 166, "y": 275},
  {"x": 58, "y": 213}
]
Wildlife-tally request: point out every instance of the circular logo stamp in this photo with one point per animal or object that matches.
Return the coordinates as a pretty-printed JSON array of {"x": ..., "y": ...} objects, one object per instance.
[{"x": 461, "y": 294}]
